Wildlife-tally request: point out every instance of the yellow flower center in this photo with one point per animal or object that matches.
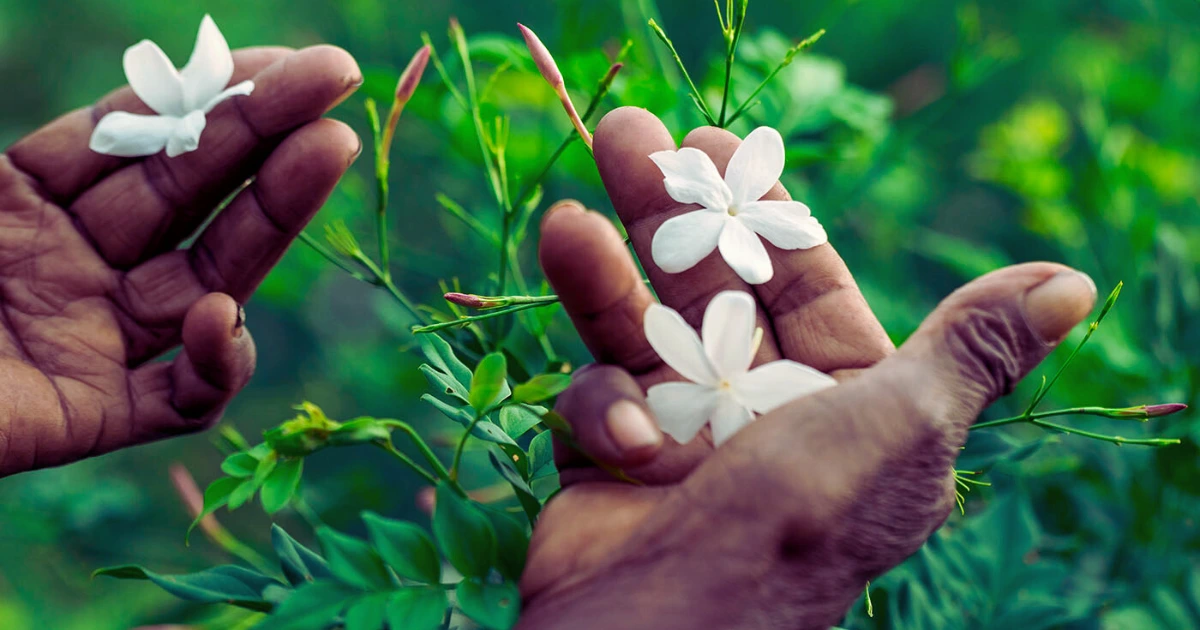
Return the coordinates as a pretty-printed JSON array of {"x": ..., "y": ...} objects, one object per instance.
[{"x": 732, "y": 210}]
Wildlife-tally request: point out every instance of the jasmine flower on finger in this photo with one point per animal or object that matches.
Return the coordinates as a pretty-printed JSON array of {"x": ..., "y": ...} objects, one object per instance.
[
  {"x": 723, "y": 390},
  {"x": 733, "y": 217},
  {"x": 181, "y": 98}
]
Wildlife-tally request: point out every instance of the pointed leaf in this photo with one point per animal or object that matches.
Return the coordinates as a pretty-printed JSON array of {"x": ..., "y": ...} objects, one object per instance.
[
  {"x": 541, "y": 453},
  {"x": 464, "y": 533},
  {"x": 299, "y": 563},
  {"x": 281, "y": 484},
  {"x": 440, "y": 355},
  {"x": 368, "y": 612},
  {"x": 406, "y": 547},
  {"x": 417, "y": 609},
  {"x": 240, "y": 465},
  {"x": 313, "y": 606},
  {"x": 525, "y": 496},
  {"x": 226, "y": 584},
  {"x": 488, "y": 382},
  {"x": 512, "y": 538},
  {"x": 353, "y": 561},
  {"x": 484, "y": 429},
  {"x": 242, "y": 493},
  {"x": 493, "y": 606},
  {"x": 445, "y": 384},
  {"x": 516, "y": 420},
  {"x": 542, "y": 387},
  {"x": 215, "y": 495}
]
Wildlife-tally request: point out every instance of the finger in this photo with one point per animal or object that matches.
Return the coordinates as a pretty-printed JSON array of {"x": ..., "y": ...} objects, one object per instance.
[
  {"x": 624, "y": 141},
  {"x": 609, "y": 417},
  {"x": 820, "y": 318},
  {"x": 243, "y": 243},
  {"x": 150, "y": 206},
  {"x": 190, "y": 393},
  {"x": 586, "y": 261},
  {"x": 58, "y": 157}
]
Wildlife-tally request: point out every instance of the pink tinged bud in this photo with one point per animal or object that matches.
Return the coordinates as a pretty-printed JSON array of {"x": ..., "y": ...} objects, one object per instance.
[
  {"x": 411, "y": 77},
  {"x": 542, "y": 57},
  {"x": 473, "y": 301},
  {"x": 550, "y": 72},
  {"x": 1164, "y": 409}
]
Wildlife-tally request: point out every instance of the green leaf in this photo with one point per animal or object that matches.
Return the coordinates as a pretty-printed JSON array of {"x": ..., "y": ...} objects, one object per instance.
[
  {"x": 529, "y": 502},
  {"x": 240, "y": 465},
  {"x": 215, "y": 495},
  {"x": 512, "y": 538},
  {"x": 313, "y": 606},
  {"x": 464, "y": 533},
  {"x": 517, "y": 457},
  {"x": 557, "y": 423},
  {"x": 354, "y": 562},
  {"x": 445, "y": 383},
  {"x": 541, "y": 388},
  {"x": 242, "y": 493},
  {"x": 516, "y": 420},
  {"x": 489, "y": 382},
  {"x": 406, "y": 547},
  {"x": 265, "y": 466},
  {"x": 281, "y": 484},
  {"x": 417, "y": 609},
  {"x": 299, "y": 563},
  {"x": 484, "y": 429},
  {"x": 368, "y": 612},
  {"x": 226, "y": 584},
  {"x": 541, "y": 453},
  {"x": 493, "y": 606},
  {"x": 440, "y": 355}
]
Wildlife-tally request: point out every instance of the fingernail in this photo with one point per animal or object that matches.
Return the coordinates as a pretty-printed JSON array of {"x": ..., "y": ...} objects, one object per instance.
[
  {"x": 561, "y": 206},
  {"x": 358, "y": 151},
  {"x": 631, "y": 428},
  {"x": 1055, "y": 306},
  {"x": 239, "y": 325}
]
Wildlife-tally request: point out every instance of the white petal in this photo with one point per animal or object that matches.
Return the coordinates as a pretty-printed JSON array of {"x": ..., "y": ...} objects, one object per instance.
[
  {"x": 768, "y": 387},
  {"x": 728, "y": 332},
  {"x": 691, "y": 177},
  {"x": 685, "y": 240},
  {"x": 785, "y": 224},
  {"x": 678, "y": 344},
  {"x": 728, "y": 418},
  {"x": 132, "y": 135},
  {"x": 186, "y": 135},
  {"x": 745, "y": 253},
  {"x": 153, "y": 78},
  {"x": 682, "y": 409},
  {"x": 210, "y": 67},
  {"x": 241, "y": 89},
  {"x": 756, "y": 165}
]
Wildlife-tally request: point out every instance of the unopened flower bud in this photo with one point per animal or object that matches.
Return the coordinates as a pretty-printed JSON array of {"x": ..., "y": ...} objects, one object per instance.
[
  {"x": 1164, "y": 409},
  {"x": 411, "y": 77},
  {"x": 552, "y": 75},
  {"x": 475, "y": 301}
]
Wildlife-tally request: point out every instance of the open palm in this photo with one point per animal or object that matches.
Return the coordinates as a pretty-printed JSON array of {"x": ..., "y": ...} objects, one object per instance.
[
  {"x": 93, "y": 285},
  {"x": 782, "y": 526}
]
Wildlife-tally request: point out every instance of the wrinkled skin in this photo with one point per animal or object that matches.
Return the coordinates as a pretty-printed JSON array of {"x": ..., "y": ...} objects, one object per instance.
[
  {"x": 93, "y": 286},
  {"x": 783, "y": 525}
]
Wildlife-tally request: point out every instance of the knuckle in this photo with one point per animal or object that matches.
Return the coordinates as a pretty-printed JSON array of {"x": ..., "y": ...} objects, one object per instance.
[{"x": 986, "y": 345}]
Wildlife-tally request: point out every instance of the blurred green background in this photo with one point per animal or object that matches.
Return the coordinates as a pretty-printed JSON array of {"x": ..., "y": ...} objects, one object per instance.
[{"x": 936, "y": 141}]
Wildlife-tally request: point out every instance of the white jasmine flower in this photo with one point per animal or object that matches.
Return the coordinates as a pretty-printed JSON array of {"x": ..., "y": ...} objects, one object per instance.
[
  {"x": 723, "y": 391},
  {"x": 733, "y": 217},
  {"x": 182, "y": 98}
]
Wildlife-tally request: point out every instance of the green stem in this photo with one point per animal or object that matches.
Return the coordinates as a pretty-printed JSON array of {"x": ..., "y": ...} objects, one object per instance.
[
  {"x": 462, "y": 321},
  {"x": 407, "y": 461},
  {"x": 696, "y": 96},
  {"x": 426, "y": 452},
  {"x": 441, "y": 70},
  {"x": 787, "y": 60},
  {"x": 341, "y": 264},
  {"x": 1115, "y": 439},
  {"x": 1104, "y": 412},
  {"x": 462, "y": 445}
]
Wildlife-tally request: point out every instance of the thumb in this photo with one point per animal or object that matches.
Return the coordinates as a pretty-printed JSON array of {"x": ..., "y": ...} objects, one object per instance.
[{"x": 985, "y": 337}]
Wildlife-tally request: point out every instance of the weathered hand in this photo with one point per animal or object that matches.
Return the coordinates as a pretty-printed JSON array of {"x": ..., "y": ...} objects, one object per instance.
[
  {"x": 782, "y": 526},
  {"x": 93, "y": 287}
]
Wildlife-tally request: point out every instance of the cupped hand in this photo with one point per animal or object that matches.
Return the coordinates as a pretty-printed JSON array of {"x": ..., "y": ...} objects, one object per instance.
[
  {"x": 783, "y": 525},
  {"x": 94, "y": 285}
]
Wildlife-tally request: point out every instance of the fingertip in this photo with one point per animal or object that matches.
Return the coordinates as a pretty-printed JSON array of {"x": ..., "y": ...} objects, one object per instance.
[
  {"x": 584, "y": 258},
  {"x": 607, "y": 411},
  {"x": 217, "y": 349},
  {"x": 570, "y": 206}
]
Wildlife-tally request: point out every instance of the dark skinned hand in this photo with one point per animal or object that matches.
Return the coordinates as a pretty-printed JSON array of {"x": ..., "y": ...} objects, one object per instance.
[
  {"x": 93, "y": 286},
  {"x": 783, "y": 525}
]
